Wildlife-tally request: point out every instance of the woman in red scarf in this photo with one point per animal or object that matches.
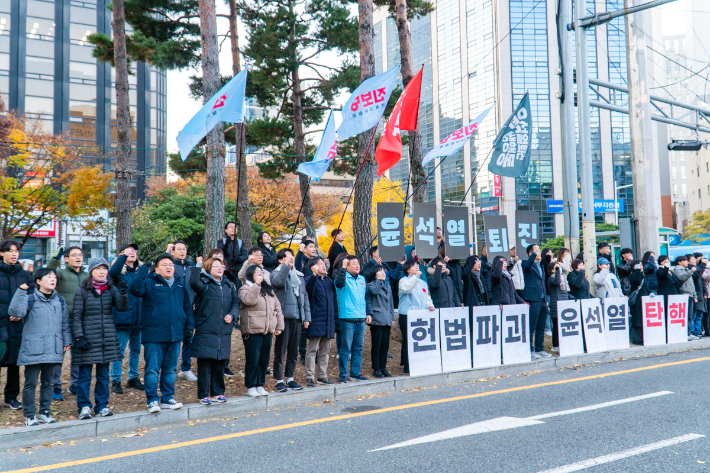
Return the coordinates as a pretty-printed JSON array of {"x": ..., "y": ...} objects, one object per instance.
[{"x": 94, "y": 335}]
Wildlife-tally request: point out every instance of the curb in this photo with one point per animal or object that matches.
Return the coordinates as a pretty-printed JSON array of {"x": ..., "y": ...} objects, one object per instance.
[{"x": 103, "y": 427}]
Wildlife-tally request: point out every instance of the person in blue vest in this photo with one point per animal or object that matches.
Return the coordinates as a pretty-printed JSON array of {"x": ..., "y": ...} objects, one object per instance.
[
  {"x": 166, "y": 319},
  {"x": 350, "y": 292},
  {"x": 127, "y": 323}
]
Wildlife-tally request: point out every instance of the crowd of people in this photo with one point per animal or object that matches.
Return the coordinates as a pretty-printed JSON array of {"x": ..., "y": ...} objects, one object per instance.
[{"x": 175, "y": 310}]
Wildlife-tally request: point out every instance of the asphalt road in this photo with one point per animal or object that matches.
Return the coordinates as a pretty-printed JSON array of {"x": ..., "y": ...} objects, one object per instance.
[{"x": 641, "y": 415}]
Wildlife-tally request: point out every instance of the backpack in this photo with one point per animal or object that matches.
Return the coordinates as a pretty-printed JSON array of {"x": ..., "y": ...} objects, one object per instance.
[
  {"x": 31, "y": 302},
  {"x": 226, "y": 241}
]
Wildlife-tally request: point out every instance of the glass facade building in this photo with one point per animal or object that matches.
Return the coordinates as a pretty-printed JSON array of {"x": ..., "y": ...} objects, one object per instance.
[{"x": 48, "y": 72}]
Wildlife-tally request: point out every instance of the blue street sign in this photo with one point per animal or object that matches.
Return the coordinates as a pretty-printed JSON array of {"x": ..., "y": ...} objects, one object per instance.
[{"x": 600, "y": 206}]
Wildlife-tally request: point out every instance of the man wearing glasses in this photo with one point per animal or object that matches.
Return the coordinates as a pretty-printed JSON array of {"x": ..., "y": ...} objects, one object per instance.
[{"x": 166, "y": 318}]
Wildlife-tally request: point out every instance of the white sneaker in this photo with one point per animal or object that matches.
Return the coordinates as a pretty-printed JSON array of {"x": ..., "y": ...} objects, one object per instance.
[
  {"x": 692, "y": 337},
  {"x": 252, "y": 392},
  {"x": 188, "y": 375},
  {"x": 556, "y": 349},
  {"x": 171, "y": 404},
  {"x": 543, "y": 354},
  {"x": 153, "y": 407},
  {"x": 46, "y": 418},
  {"x": 261, "y": 391},
  {"x": 85, "y": 413},
  {"x": 534, "y": 356},
  {"x": 31, "y": 421}
]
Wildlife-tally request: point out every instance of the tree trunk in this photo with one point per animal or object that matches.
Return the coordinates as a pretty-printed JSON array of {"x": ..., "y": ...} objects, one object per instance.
[
  {"x": 299, "y": 138},
  {"x": 362, "y": 207},
  {"x": 239, "y": 142},
  {"x": 416, "y": 173},
  {"x": 211, "y": 83},
  {"x": 123, "y": 128}
]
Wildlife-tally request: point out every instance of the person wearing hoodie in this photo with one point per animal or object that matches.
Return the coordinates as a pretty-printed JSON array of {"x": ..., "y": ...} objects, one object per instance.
[
  {"x": 475, "y": 291},
  {"x": 684, "y": 275},
  {"x": 650, "y": 266},
  {"x": 380, "y": 315},
  {"x": 410, "y": 252},
  {"x": 443, "y": 290},
  {"x": 12, "y": 276},
  {"x": 624, "y": 270},
  {"x": 263, "y": 241},
  {"x": 504, "y": 292},
  {"x": 321, "y": 330},
  {"x": 234, "y": 249},
  {"x": 290, "y": 288},
  {"x": 217, "y": 308},
  {"x": 46, "y": 336},
  {"x": 413, "y": 295},
  {"x": 68, "y": 281},
  {"x": 605, "y": 281},
  {"x": 578, "y": 284},
  {"x": 94, "y": 335},
  {"x": 557, "y": 289},
  {"x": 128, "y": 322},
  {"x": 486, "y": 269},
  {"x": 166, "y": 320}
]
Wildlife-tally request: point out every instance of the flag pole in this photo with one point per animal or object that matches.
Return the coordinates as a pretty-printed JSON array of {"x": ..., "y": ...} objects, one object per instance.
[{"x": 238, "y": 164}]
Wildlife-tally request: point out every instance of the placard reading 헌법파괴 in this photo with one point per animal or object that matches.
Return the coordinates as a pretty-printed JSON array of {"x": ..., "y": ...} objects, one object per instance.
[
  {"x": 569, "y": 328},
  {"x": 487, "y": 333},
  {"x": 455, "y": 339},
  {"x": 516, "y": 336},
  {"x": 654, "y": 321},
  {"x": 678, "y": 318},
  {"x": 616, "y": 322},
  {"x": 423, "y": 344}
]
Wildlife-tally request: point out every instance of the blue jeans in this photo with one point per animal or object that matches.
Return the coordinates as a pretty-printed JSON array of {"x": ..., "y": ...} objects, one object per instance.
[
  {"x": 160, "y": 358},
  {"x": 131, "y": 337},
  {"x": 83, "y": 387},
  {"x": 352, "y": 337},
  {"x": 186, "y": 364},
  {"x": 696, "y": 327}
]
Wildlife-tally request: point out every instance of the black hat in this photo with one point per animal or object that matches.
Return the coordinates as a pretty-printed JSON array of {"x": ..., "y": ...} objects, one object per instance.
[{"x": 131, "y": 245}]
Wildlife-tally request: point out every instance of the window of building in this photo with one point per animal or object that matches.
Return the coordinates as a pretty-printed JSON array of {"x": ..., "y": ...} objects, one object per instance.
[
  {"x": 675, "y": 190},
  {"x": 682, "y": 172},
  {"x": 684, "y": 190},
  {"x": 674, "y": 173}
]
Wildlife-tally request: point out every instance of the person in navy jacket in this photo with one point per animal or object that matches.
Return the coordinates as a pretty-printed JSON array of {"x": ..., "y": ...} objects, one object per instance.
[
  {"x": 534, "y": 294},
  {"x": 166, "y": 318}
]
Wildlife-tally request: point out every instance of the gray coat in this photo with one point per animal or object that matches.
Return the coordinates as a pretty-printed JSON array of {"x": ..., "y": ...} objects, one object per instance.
[
  {"x": 93, "y": 320},
  {"x": 46, "y": 330},
  {"x": 379, "y": 303},
  {"x": 291, "y": 307}
]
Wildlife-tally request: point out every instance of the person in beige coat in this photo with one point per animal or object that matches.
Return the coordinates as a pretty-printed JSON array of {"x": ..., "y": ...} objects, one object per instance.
[{"x": 260, "y": 317}]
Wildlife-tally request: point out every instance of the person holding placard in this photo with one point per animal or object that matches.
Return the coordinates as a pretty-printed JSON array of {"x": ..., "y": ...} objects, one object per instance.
[
  {"x": 605, "y": 282},
  {"x": 475, "y": 291},
  {"x": 380, "y": 315},
  {"x": 504, "y": 292},
  {"x": 443, "y": 290},
  {"x": 413, "y": 295},
  {"x": 578, "y": 284},
  {"x": 557, "y": 290}
]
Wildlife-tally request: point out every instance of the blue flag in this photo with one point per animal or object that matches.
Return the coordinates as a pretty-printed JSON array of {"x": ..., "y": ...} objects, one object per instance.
[
  {"x": 226, "y": 106},
  {"x": 512, "y": 146},
  {"x": 367, "y": 104},
  {"x": 327, "y": 150},
  {"x": 455, "y": 141}
]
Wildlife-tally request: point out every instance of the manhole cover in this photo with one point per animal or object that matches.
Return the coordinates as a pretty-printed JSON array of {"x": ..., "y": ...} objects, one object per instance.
[{"x": 360, "y": 409}]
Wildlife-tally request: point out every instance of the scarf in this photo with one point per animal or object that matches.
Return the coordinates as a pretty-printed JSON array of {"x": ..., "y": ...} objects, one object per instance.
[
  {"x": 170, "y": 281},
  {"x": 506, "y": 274},
  {"x": 99, "y": 285},
  {"x": 477, "y": 278}
]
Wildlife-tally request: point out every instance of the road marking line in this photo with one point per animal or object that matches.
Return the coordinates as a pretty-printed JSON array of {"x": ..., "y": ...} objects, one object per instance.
[
  {"x": 621, "y": 455},
  {"x": 276, "y": 428},
  {"x": 505, "y": 423},
  {"x": 599, "y": 406},
  {"x": 491, "y": 425}
]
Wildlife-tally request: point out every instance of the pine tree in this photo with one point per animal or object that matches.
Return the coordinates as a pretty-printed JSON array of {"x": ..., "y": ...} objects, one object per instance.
[{"x": 285, "y": 41}]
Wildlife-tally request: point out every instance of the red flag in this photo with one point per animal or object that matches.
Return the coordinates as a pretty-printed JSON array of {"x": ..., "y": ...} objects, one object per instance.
[{"x": 404, "y": 117}]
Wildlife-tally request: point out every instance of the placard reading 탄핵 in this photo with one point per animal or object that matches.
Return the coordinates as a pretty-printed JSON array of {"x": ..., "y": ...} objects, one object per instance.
[
  {"x": 569, "y": 326},
  {"x": 423, "y": 343},
  {"x": 486, "y": 340},
  {"x": 677, "y": 320},
  {"x": 654, "y": 321},
  {"x": 593, "y": 322},
  {"x": 516, "y": 336},
  {"x": 455, "y": 339},
  {"x": 616, "y": 322}
]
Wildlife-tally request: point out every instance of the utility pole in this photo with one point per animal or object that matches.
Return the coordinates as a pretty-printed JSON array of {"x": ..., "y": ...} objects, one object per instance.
[
  {"x": 589, "y": 236},
  {"x": 643, "y": 155},
  {"x": 569, "y": 146},
  {"x": 642, "y": 152}
]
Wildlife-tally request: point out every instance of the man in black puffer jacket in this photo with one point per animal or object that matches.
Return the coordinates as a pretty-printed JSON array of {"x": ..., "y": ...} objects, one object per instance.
[
  {"x": 12, "y": 276},
  {"x": 441, "y": 286}
]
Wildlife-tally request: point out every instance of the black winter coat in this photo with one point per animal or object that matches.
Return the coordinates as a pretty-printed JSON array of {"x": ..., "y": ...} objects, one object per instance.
[
  {"x": 131, "y": 318},
  {"x": 270, "y": 262},
  {"x": 213, "y": 336},
  {"x": 12, "y": 276},
  {"x": 335, "y": 250},
  {"x": 649, "y": 274},
  {"x": 700, "y": 288},
  {"x": 441, "y": 287},
  {"x": 578, "y": 285},
  {"x": 486, "y": 273},
  {"x": 624, "y": 270},
  {"x": 667, "y": 282},
  {"x": 92, "y": 319},
  {"x": 472, "y": 295},
  {"x": 504, "y": 292},
  {"x": 234, "y": 263},
  {"x": 635, "y": 280},
  {"x": 321, "y": 295},
  {"x": 556, "y": 292},
  {"x": 455, "y": 271}
]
